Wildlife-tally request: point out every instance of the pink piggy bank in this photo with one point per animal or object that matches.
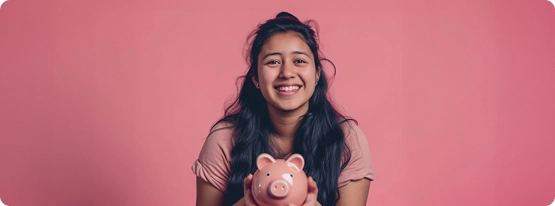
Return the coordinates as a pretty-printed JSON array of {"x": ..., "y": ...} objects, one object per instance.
[{"x": 279, "y": 182}]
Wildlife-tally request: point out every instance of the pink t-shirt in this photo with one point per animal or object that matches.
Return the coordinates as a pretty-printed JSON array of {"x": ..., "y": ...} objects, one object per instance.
[{"x": 213, "y": 164}]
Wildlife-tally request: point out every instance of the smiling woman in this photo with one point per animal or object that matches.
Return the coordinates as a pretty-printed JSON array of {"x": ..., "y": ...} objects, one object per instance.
[
  {"x": 283, "y": 108},
  {"x": 287, "y": 74}
]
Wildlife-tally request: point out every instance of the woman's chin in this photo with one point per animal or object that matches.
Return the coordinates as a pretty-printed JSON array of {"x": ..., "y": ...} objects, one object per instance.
[{"x": 290, "y": 108}]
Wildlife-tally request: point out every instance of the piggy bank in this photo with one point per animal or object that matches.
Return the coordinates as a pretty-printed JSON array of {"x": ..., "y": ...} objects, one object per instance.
[{"x": 279, "y": 182}]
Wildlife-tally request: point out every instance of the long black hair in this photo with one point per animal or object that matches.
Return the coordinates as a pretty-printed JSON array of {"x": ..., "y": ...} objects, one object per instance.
[{"x": 319, "y": 137}]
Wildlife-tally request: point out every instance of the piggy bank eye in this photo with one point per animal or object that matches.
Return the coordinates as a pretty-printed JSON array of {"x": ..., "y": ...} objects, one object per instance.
[
  {"x": 291, "y": 175},
  {"x": 268, "y": 174}
]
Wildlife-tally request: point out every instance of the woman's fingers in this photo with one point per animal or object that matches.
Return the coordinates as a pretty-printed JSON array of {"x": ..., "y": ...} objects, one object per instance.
[
  {"x": 312, "y": 196},
  {"x": 247, "y": 185}
]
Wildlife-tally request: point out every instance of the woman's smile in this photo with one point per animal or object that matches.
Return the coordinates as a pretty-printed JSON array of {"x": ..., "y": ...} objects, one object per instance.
[{"x": 285, "y": 90}]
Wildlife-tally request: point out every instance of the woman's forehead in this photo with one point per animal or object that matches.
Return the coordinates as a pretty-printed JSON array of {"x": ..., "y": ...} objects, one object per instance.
[{"x": 285, "y": 43}]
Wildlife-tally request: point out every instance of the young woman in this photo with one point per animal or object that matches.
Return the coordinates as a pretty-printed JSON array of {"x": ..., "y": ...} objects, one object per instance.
[{"x": 283, "y": 108}]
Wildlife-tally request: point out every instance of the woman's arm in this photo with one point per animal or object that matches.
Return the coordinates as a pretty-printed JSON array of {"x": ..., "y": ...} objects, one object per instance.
[
  {"x": 210, "y": 196},
  {"x": 207, "y": 194},
  {"x": 213, "y": 165},
  {"x": 354, "y": 193},
  {"x": 354, "y": 181}
]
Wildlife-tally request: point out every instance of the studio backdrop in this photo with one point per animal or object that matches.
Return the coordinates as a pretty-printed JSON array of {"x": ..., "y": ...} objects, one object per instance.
[{"x": 108, "y": 102}]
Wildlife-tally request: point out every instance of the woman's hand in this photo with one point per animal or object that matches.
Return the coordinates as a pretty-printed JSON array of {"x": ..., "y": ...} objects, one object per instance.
[
  {"x": 312, "y": 195},
  {"x": 247, "y": 188}
]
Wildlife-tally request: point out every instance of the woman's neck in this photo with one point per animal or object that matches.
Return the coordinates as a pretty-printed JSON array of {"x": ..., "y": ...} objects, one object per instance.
[{"x": 286, "y": 122}]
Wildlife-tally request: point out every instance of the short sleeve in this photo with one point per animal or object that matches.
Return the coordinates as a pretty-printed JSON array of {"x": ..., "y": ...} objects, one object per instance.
[
  {"x": 360, "y": 164},
  {"x": 213, "y": 163}
]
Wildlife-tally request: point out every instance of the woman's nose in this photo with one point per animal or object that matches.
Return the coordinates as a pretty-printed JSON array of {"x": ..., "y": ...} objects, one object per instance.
[{"x": 287, "y": 70}]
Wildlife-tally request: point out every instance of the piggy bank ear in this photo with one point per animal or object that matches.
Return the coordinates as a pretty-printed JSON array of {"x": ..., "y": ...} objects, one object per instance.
[
  {"x": 297, "y": 162},
  {"x": 264, "y": 159}
]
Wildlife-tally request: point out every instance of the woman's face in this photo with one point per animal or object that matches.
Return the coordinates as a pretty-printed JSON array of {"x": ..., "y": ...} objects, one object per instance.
[{"x": 286, "y": 72}]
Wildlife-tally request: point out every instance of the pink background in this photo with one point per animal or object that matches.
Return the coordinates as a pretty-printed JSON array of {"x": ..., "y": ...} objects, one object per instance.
[{"x": 108, "y": 102}]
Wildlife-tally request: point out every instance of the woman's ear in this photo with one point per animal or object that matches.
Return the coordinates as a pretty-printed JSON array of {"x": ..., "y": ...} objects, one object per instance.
[{"x": 255, "y": 82}]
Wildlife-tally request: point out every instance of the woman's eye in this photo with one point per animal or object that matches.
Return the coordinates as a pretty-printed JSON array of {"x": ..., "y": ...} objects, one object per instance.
[
  {"x": 273, "y": 62},
  {"x": 299, "y": 61}
]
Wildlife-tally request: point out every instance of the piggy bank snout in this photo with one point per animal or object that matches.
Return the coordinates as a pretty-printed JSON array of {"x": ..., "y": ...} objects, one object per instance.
[{"x": 278, "y": 189}]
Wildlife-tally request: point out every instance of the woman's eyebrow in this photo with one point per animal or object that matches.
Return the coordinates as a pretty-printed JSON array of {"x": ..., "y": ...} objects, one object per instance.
[
  {"x": 301, "y": 52},
  {"x": 270, "y": 54},
  {"x": 278, "y": 53}
]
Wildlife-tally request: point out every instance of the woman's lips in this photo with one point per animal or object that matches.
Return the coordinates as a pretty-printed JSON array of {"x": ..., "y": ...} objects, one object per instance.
[{"x": 287, "y": 90}]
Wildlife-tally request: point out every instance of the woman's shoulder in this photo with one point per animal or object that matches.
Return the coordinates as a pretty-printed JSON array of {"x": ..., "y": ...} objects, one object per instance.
[
  {"x": 353, "y": 134},
  {"x": 220, "y": 136},
  {"x": 359, "y": 163},
  {"x": 349, "y": 125},
  {"x": 218, "y": 143},
  {"x": 221, "y": 126},
  {"x": 213, "y": 163}
]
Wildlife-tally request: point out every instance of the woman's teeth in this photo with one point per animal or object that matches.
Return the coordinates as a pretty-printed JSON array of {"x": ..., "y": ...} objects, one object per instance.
[{"x": 288, "y": 88}]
